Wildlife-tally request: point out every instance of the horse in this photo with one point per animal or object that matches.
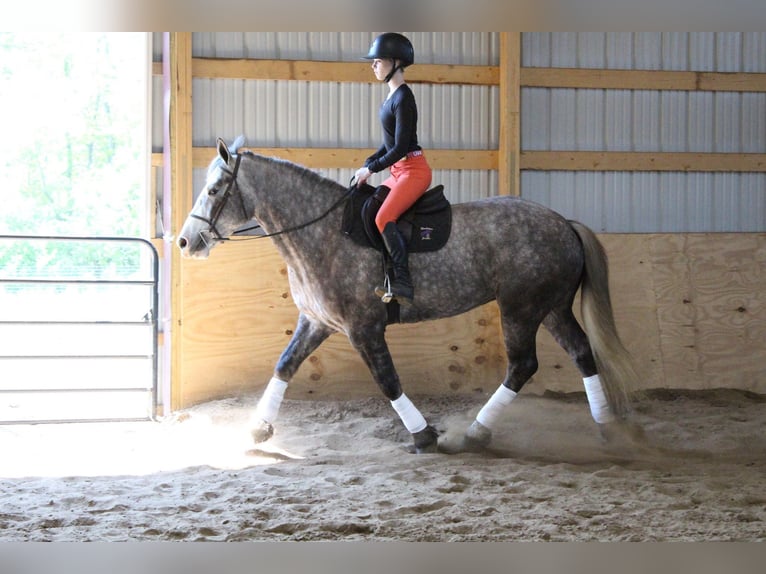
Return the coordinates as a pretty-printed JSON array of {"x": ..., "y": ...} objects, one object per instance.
[{"x": 525, "y": 256}]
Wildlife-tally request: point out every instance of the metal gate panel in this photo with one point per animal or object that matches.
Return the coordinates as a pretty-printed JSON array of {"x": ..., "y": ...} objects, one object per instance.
[{"x": 78, "y": 340}]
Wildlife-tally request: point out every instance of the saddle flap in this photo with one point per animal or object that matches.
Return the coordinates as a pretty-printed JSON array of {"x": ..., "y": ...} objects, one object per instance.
[{"x": 359, "y": 195}]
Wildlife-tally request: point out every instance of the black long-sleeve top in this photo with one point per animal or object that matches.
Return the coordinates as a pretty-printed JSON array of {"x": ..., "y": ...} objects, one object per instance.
[{"x": 399, "y": 120}]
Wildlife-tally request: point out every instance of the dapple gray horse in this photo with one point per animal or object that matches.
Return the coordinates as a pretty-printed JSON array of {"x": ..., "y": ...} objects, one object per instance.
[{"x": 526, "y": 257}]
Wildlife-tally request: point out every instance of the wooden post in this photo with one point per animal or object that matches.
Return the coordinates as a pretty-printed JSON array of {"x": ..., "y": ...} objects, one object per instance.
[
  {"x": 509, "y": 147},
  {"x": 178, "y": 163}
]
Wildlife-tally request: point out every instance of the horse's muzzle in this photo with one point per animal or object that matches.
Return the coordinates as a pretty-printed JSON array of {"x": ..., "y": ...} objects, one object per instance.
[{"x": 191, "y": 249}]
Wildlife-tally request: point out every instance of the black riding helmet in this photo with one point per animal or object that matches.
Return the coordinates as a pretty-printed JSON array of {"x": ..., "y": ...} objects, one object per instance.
[{"x": 392, "y": 46}]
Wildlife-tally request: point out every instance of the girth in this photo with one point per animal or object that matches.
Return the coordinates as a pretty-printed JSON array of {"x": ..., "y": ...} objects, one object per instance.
[{"x": 425, "y": 226}]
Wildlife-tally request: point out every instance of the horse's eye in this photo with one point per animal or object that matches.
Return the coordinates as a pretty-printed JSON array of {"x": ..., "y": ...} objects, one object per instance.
[{"x": 212, "y": 191}]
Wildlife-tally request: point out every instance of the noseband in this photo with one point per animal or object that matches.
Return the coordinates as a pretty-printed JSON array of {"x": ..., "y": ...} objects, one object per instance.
[{"x": 218, "y": 208}]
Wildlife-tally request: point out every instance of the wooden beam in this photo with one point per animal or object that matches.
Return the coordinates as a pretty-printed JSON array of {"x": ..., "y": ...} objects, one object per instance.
[
  {"x": 453, "y": 74},
  {"x": 159, "y": 245},
  {"x": 642, "y": 80},
  {"x": 731, "y": 82},
  {"x": 180, "y": 192},
  {"x": 330, "y": 158},
  {"x": 309, "y": 70},
  {"x": 607, "y": 79},
  {"x": 510, "y": 108},
  {"x": 317, "y": 158},
  {"x": 320, "y": 71},
  {"x": 642, "y": 161}
]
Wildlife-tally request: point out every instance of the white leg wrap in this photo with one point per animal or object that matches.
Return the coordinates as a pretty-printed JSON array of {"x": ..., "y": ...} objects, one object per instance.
[
  {"x": 599, "y": 407},
  {"x": 490, "y": 412},
  {"x": 409, "y": 413},
  {"x": 268, "y": 406}
]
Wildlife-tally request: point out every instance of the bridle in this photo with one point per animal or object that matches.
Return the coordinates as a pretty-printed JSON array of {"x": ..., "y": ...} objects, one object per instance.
[{"x": 219, "y": 207}]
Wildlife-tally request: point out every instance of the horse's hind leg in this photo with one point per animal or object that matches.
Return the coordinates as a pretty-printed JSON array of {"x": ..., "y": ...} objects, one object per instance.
[
  {"x": 307, "y": 337},
  {"x": 370, "y": 343},
  {"x": 565, "y": 329},
  {"x": 522, "y": 364}
]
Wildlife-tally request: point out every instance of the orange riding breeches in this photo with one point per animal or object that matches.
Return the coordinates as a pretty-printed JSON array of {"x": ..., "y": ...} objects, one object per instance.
[{"x": 409, "y": 179}]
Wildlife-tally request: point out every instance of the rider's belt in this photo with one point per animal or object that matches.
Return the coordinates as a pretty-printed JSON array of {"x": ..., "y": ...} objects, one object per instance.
[{"x": 416, "y": 153}]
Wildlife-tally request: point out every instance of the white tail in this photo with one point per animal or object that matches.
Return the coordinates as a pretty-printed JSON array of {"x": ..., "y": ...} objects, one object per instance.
[{"x": 613, "y": 361}]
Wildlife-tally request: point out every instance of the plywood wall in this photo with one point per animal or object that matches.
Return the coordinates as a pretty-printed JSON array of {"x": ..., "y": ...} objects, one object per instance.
[{"x": 690, "y": 307}]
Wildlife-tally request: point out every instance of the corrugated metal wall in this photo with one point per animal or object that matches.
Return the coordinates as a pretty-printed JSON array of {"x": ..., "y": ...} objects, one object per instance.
[
  {"x": 644, "y": 120},
  {"x": 329, "y": 114}
]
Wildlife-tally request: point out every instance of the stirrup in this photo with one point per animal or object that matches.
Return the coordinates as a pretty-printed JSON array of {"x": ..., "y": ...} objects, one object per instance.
[{"x": 386, "y": 296}]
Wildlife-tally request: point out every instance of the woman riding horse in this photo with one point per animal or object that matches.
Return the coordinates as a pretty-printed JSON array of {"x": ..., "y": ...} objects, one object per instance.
[{"x": 410, "y": 174}]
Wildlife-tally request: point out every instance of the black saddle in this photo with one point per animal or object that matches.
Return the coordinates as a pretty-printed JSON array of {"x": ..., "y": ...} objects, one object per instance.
[{"x": 425, "y": 226}]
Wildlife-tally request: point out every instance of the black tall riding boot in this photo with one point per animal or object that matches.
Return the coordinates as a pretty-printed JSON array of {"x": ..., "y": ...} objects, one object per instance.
[{"x": 401, "y": 284}]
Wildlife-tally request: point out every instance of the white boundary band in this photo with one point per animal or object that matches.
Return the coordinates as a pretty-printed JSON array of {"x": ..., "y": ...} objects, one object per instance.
[
  {"x": 599, "y": 406},
  {"x": 268, "y": 406},
  {"x": 491, "y": 412},
  {"x": 409, "y": 413}
]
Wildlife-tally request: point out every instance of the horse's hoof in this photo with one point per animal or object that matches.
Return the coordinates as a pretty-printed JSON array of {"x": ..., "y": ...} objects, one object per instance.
[
  {"x": 622, "y": 433},
  {"x": 448, "y": 446},
  {"x": 607, "y": 432},
  {"x": 262, "y": 432},
  {"x": 477, "y": 437},
  {"x": 426, "y": 441}
]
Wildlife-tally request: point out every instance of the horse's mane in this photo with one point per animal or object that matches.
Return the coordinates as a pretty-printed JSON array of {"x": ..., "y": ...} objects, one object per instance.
[{"x": 309, "y": 176}]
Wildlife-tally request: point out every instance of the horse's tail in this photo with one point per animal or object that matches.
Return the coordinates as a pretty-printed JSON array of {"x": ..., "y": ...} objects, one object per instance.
[{"x": 613, "y": 361}]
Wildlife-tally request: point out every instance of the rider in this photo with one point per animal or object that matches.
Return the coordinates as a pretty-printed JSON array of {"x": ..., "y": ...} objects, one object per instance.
[{"x": 409, "y": 172}]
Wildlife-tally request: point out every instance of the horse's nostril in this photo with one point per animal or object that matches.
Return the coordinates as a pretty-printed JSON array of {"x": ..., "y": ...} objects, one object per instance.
[{"x": 182, "y": 242}]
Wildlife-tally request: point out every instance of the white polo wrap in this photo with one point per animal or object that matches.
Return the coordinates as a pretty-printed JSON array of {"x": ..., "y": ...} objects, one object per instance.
[
  {"x": 268, "y": 405},
  {"x": 409, "y": 413},
  {"x": 599, "y": 406},
  {"x": 491, "y": 412}
]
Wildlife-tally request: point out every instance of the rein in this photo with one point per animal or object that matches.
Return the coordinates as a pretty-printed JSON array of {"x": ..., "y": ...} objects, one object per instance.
[
  {"x": 228, "y": 193},
  {"x": 332, "y": 208}
]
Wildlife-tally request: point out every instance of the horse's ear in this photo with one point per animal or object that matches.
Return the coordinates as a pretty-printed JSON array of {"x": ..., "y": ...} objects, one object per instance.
[
  {"x": 223, "y": 151},
  {"x": 238, "y": 143}
]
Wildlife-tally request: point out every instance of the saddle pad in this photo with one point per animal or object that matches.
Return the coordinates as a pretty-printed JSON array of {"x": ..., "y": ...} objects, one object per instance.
[{"x": 425, "y": 226}]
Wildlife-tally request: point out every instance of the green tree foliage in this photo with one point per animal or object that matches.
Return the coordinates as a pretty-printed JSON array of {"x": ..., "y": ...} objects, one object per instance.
[{"x": 73, "y": 148}]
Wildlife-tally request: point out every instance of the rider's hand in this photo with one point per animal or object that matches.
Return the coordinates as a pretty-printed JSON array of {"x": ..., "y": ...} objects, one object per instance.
[{"x": 362, "y": 175}]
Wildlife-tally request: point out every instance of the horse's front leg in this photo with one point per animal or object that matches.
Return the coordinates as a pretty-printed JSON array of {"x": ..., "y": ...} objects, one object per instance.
[
  {"x": 371, "y": 345},
  {"x": 308, "y": 336}
]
